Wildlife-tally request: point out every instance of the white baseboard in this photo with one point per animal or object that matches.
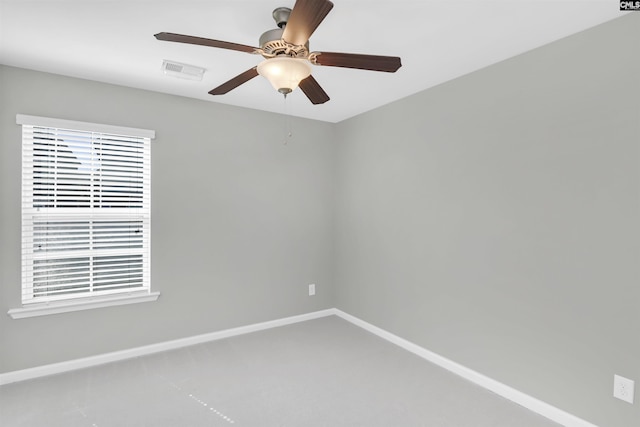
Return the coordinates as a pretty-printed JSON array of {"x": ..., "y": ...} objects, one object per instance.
[
  {"x": 86, "y": 362},
  {"x": 529, "y": 402},
  {"x": 546, "y": 410}
]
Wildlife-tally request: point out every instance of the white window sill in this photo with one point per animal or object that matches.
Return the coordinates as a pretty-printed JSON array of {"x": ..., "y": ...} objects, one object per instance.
[{"x": 84, "y": 304}]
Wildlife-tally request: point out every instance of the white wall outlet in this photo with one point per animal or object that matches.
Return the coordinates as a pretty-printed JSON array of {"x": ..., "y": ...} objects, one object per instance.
[
  {"x": 623, "y": 388},
  {"x": 312, "y": 289}
]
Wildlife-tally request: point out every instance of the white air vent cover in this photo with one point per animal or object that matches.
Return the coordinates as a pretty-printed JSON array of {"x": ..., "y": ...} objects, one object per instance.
[{"x": 183, "y": 71}]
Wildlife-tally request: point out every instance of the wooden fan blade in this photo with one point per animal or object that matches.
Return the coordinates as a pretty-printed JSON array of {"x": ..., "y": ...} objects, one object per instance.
[
  {"x": 389, "y": 64},
  {"x": 181, "y": 38},
  {"x": 305, "y": 17},
  {"x": 235, "y": 82},
  {"x": 314, "y": 92}
]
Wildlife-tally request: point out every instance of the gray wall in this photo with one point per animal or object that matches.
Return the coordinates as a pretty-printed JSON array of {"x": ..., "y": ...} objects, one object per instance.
[
  {"x": 241, "y": 223},
  {"x": 495, "y": 220}
]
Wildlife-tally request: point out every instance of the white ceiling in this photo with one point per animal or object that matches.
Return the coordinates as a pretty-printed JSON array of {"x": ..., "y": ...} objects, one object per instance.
[{"x": 112, "y": 41}]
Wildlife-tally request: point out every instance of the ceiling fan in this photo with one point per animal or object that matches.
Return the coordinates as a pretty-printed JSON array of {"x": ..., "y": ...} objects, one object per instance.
[{"x": 288, "y": 60}]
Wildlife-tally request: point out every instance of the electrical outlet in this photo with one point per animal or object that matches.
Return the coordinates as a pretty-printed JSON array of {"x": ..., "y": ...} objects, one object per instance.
[
  {"x": 312, "y": 289},
  {"x": 623, "y": 388}
]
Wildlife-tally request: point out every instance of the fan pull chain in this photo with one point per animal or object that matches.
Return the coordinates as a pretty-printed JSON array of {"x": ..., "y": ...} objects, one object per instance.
[{"x": 288, "y": 134}]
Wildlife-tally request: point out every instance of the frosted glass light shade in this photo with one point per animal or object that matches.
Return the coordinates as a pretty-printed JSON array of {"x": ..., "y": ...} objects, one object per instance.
[{"x": 284, "y": 73}]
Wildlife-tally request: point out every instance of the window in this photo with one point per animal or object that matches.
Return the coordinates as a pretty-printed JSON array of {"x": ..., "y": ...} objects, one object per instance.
[{"x": 85, "y": 211}]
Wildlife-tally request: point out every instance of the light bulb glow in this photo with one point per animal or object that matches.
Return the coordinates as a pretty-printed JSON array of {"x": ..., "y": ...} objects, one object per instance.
[{"x": 284, "y": 73}]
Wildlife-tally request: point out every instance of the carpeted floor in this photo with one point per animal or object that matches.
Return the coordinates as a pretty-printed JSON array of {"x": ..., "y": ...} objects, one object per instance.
[{"x": 324, "y": 372}]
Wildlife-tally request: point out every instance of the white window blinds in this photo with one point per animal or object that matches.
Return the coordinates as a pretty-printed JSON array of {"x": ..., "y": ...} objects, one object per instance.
[{"x": 85, "y": 209}]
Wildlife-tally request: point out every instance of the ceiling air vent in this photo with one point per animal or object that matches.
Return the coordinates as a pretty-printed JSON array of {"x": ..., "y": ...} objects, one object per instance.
[{"x": 183, "y": 71}]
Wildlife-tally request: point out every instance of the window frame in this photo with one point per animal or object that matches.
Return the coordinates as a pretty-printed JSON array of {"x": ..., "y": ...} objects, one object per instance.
[{"x": 88, "y": 298}]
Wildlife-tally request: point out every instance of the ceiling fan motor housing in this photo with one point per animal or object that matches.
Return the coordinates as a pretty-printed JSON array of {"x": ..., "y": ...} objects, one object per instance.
[{"x": 271, "y": 41}]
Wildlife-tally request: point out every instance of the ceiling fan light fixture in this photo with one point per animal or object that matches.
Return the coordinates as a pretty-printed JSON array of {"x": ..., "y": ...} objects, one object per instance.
[{"x": 285, "y": 73}]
